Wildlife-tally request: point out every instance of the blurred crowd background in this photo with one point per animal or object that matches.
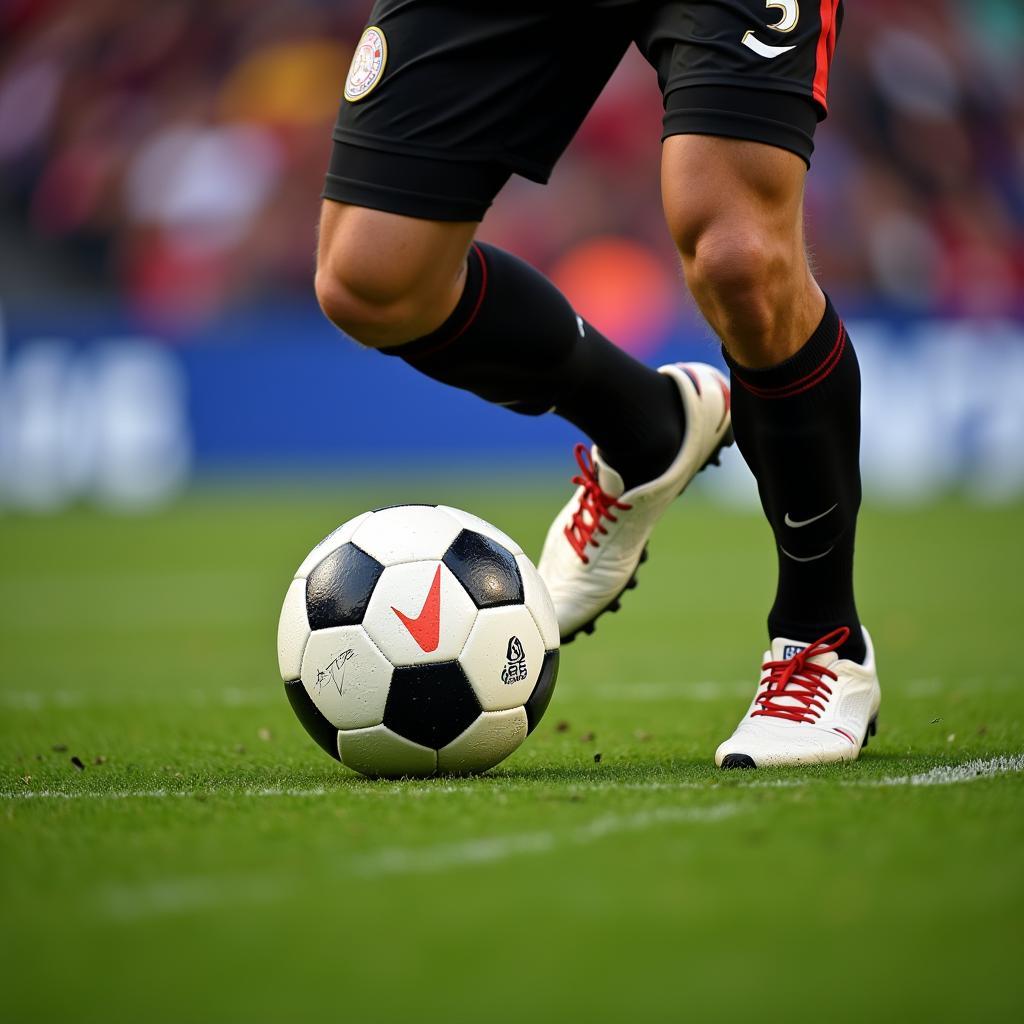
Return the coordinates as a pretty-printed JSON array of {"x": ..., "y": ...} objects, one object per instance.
[{"x": 171, "y": 153}]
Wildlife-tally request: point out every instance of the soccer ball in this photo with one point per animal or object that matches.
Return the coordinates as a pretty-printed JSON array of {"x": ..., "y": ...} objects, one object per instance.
[{"x": 418, "y": 639}]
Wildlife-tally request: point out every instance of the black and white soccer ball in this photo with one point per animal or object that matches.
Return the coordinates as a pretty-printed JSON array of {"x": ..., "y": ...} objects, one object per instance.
[{"x": 418, "y": 639}]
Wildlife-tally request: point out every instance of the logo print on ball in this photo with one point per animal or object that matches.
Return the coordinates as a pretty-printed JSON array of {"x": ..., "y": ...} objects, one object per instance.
[
  {"x": 367, "y": 65},
  {"x": 515, "y": 671},
  {"x": 426, "y": 627},
  {"x": 334, "y": 673}
]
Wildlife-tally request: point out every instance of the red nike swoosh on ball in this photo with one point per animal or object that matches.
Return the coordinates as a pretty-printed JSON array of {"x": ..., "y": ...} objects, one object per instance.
[{"x": 426, "y": 627}]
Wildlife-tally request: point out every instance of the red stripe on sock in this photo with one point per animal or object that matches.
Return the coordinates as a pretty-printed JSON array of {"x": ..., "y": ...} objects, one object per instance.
[
  {"x": 445, "y": 342},
  {"x": 826, "y": 48},
  {"x": 479, "y": 299},
  {"x": 805, "y": 383}
]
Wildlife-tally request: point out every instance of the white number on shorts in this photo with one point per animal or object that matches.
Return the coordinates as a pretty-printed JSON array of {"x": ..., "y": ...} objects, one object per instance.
[{"x": 790, "y": 16}]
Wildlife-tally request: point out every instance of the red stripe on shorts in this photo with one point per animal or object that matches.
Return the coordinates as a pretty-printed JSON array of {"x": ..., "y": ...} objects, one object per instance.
[{"x": 826, "y": 48}]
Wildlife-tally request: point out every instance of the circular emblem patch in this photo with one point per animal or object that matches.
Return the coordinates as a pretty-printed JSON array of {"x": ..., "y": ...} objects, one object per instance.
[{"x": 367, "y": 65}]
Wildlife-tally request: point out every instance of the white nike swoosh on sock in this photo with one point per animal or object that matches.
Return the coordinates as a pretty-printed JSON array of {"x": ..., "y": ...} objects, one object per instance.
[
  {"x": 797, "y": 523},
  {"x": 812, "y": 558}
]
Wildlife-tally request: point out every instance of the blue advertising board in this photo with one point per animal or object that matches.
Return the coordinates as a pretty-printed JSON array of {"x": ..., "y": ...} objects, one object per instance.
[{"x": 91, "y": 406}]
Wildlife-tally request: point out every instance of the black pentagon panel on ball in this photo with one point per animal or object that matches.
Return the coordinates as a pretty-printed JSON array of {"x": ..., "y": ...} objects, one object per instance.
[
  {"x": 339, "y": 588},
  {"x": 486, "y": 570},
  {"x": 312, "y": 719},
  {"x": 541, "y": 696},
  {"x": 431, "y": 704}
]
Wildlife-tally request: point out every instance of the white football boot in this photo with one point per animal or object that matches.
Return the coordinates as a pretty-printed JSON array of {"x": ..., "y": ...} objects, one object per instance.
[
  {"x": 810, "y": 707},
  {"x": 598, "y": 540}
]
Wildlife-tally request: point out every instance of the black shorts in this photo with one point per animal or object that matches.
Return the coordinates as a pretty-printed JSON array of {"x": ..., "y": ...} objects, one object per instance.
[{"x": 445, "y": 100}]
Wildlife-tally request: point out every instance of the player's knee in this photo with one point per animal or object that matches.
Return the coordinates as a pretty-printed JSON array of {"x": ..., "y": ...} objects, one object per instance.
[
  {"x": 738, "y": 275},
  {"x": 375, "y": 309},
  {"x": 734, "y": 264}
]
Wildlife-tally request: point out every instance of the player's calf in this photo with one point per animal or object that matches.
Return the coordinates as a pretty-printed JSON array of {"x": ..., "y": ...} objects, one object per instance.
[{"x": 506, "y": 334}]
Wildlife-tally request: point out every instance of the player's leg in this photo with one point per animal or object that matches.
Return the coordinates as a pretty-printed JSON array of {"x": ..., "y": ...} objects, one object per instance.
[
  {"x": 442, "y": 105},
  {"x": 796, "y": 417},
  {"x": 488, "y": 323},
  {"x": 739, "y": 122},
  {"x": 424, "y": 141},
  {"x": 734, "y": 208},
  {"x": 475, "y": 317}
]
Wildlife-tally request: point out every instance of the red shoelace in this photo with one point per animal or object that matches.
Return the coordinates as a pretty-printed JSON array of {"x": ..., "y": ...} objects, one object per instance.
[
  {"x": 801, "y": 680},
  {"x": 595, "y": 505}
]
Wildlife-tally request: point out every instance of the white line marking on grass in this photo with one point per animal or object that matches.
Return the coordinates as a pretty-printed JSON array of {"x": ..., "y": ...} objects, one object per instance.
[
  {"x": 941, "y": 775},
  {"x": 409, "y": 860},
  {"x": 640, "y": 692},
  {"x": 168, "y": 897},
  {"x": 951, "y": 774}
]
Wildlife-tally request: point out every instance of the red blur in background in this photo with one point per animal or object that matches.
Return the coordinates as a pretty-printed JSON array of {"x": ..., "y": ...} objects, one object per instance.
[{"x": 170, "y": 155}]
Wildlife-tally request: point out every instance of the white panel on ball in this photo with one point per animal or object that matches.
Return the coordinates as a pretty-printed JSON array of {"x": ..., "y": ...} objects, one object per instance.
[
  {"x": 475, "y": 523},
  {"x": 503, "y": 656},
  {"x": 346, "y": 677},
  {"x": 330, "y": 543},
  {"x": 292, "y": 631},
  {"x": 407, "y": 533},
  {"x": 380, "y": 752},
  {"x": 538, "y": 600},
  {"x": 488, "y": 741},
  {"x": 436, "y": 614}
]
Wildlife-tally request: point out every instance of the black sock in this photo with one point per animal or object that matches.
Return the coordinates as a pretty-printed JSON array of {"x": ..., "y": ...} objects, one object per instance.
[
  {"x": 514, "y": 340},
  {"x": 798, "y": 426}
]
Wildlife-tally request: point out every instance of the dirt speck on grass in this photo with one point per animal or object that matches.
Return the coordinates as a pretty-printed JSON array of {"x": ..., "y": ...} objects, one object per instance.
[
  {"x": 587, "y": 737},
  {"x": 78, "y": 763},
  {"x": 265, "y": 734},
  {"x": 562, "y": 726},
  {"x": 59, "y": 748},
  {"x": 597, "y": 757}
]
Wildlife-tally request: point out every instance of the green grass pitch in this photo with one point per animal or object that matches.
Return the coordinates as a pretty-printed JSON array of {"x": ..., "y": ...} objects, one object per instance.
[{"x": 208, "y": 863}]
